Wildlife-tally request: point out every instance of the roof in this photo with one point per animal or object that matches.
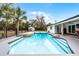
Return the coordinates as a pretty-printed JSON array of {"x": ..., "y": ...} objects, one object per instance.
[{"x": 68, "y": 19}]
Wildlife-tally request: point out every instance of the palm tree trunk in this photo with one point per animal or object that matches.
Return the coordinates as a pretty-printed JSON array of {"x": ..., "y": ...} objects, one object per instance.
[
  {"x": 17, "y": 27},
  {"x": 6, "y": 30}
]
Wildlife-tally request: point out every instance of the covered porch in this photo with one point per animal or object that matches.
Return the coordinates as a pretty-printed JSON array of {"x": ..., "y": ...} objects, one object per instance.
[{"x": 70, "y": 26}]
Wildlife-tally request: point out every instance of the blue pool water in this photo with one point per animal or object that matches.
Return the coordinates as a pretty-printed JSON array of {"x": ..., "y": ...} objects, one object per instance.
[{"x": 39, "y": 43}]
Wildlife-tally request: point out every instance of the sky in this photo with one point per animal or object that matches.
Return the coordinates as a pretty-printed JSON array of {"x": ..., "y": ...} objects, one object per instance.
[{"x": 53, "y": 12}]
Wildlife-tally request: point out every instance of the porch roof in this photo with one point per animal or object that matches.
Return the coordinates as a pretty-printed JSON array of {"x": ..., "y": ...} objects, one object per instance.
[{"x": 68, "y": 20}]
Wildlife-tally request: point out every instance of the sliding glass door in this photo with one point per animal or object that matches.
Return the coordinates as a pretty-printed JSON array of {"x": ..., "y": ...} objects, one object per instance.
[{"x": 71, "y": 29}]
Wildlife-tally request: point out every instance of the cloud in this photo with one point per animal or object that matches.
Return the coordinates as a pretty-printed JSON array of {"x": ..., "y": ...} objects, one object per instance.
[{"x": 48, "y": 17}]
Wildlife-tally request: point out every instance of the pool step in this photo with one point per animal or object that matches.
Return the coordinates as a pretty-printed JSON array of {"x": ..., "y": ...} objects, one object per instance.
[
  {"x": 62, "y": 44},
  {"x": 64, "y": 47},
  {"x": 65, "y": 44},
  {"x": 14, "y": 43}
]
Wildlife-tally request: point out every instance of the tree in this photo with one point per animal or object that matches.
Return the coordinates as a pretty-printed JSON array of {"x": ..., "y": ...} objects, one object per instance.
[
  {"x": 24, "y": 25},
  {"x": 19, "y": 15},
  {"x": 49, "y": 24},
  {"x": 39, "y": 23},
  {"x": 5, "y": 10},
  {"x": 2, "y": 24},
  {"x": 9, "y": 12}
]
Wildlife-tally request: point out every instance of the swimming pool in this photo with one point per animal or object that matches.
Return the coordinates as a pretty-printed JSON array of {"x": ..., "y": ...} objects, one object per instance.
[{"x": 39, "y": 43}]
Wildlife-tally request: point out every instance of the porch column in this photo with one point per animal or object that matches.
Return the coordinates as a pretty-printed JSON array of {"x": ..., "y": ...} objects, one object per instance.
[
  {"x": 55, "y": 29},
  {"x": 62, "y": 27}
]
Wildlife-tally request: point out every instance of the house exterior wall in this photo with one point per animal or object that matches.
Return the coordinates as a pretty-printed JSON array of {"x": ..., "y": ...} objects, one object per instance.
[
  {"x": 58, "y": 28},
  {"x": 70, "y": 24},
  {"x": 65, "y": 25},
  {"x": 51, "y": 29}
]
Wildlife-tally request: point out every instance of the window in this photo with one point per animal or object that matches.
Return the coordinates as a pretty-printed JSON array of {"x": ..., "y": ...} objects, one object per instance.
[
  {"x": 58, "y": 29},
  {"x": 77, "y": 25},
  {"x": 69, "y": 29},
  {"x": 73, "y": 28},
  {"x": 51, "y": 27}
]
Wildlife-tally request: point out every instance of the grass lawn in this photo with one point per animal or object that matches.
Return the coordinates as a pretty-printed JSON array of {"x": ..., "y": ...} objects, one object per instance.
[{"x": 9, "y": 33}]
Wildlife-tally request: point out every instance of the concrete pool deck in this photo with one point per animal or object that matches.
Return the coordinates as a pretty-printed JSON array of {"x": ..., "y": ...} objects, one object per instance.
[
  {"x": 72, "y": 41},
  {"x": 4, "y": 46},
  {"x": 9, "y": 39}
]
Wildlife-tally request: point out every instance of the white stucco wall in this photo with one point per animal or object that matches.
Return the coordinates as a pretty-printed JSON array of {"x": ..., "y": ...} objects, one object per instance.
[
  {"x": 51, "y": 30},
  {"x": 66, "y": 24}
]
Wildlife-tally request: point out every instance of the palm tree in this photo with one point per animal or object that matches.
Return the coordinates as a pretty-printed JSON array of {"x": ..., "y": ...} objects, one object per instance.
[
  {"x": 6, "y": 14},
  {"x": 19, "y": 15}
]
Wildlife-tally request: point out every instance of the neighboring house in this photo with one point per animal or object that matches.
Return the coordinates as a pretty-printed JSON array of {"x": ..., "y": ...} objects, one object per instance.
[
  {"x": 67, "y": 26},
  {"x": 51, "y": 28}
]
